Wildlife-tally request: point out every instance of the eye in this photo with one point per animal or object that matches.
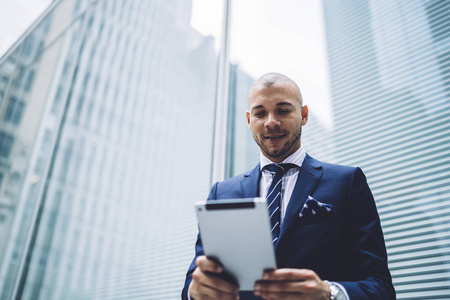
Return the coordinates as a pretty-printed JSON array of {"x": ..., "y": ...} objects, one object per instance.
[
  {"x": 284, "y": 112},
  {"x": 259, "y": 113}
]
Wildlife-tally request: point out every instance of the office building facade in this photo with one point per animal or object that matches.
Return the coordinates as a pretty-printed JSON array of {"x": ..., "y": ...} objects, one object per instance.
[
  {"x": 103, "y": 105},
  {"x": 389, "y": 72}
]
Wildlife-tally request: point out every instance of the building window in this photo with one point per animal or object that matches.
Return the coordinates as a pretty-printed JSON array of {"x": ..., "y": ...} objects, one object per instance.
[
  {"x": 4, "y": 79},
  {"x": 57, "y": 100},
  {"x": 19, "y": 76},
  {"x": 14, "y": 111},
  {"x": 28, "y": 45},
  {"x": 6, "y": 142},
  {"x": 30, "y": 80}
]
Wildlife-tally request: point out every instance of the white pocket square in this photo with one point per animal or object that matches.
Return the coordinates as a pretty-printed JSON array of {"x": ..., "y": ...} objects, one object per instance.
[{"x": 313, "y": 207}]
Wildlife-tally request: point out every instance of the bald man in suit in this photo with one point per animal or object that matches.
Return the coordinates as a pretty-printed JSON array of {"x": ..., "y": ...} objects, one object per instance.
[{"x": 329, "y": 243}]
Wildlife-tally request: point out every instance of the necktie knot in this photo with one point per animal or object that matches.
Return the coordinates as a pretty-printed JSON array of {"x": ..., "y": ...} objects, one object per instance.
[{"x": 279, "y": 169}]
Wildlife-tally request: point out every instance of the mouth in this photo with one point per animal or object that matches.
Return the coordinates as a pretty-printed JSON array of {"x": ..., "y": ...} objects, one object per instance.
[{"x": 275, "y": 137}]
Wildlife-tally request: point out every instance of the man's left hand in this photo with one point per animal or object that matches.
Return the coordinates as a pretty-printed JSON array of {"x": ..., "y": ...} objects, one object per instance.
[{"x": 292, "y": 284}]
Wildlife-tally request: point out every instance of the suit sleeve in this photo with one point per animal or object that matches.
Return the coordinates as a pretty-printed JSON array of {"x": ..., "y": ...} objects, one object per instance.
[
  {"x": 198, "y": 252},
  {"x": 365, "y": 243}
]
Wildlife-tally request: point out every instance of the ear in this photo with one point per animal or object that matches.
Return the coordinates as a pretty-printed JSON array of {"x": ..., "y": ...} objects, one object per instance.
[
  {"x": 247, "y": 115},
  {"x": 305, "y": 113}
]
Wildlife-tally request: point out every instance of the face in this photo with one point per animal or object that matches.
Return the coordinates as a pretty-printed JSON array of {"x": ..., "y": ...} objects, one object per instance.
[{"x": 275, "y": 117}]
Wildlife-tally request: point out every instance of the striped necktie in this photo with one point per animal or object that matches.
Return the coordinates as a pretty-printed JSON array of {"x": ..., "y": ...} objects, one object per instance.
[{"x": 274, "y": 197}]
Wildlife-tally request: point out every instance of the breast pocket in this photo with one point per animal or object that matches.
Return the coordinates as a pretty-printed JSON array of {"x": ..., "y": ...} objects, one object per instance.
[{"x": 318, "y": 231}]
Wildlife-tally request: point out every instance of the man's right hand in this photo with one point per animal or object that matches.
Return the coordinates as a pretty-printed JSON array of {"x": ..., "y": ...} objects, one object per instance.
[{"x": 206, "y": 284}]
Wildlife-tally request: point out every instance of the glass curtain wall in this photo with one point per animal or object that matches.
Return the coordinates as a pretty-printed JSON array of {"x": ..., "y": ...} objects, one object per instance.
[
  {"x": 106, "y": 130},
  {"x": 389, "y": 70}
]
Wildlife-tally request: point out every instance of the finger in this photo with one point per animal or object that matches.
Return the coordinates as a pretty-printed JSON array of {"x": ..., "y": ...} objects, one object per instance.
[
  {"x": 211, "y": 282},
  {"x": 289, "y": 275},
  {"x": 208, "y": 265},
  {"x": 211, "y": 293},
  {"x": 199, "y": 292}
]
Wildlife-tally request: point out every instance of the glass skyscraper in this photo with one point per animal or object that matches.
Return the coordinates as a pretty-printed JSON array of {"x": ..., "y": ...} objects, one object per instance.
[
  {"x": 103, "y": 107},
  {"x": 389, "y": 72}
]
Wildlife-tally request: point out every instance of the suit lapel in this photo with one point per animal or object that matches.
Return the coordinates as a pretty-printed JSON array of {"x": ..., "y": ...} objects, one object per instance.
[
  {"x": 250, "y": 183},
  {"x": 309, "y": 176}
]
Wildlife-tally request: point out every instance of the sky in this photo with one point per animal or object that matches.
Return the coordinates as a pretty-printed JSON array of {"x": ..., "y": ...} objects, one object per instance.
[
  {"x": 285, "y": 36},
  {"x": 15, "y": 17}
]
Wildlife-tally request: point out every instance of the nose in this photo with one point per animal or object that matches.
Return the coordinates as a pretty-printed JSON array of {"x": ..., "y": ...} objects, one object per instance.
[{"x": 272, "y": 121}]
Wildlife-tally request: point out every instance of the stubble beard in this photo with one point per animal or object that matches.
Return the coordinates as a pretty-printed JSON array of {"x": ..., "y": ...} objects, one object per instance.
[{"x": 284, "y": 150}]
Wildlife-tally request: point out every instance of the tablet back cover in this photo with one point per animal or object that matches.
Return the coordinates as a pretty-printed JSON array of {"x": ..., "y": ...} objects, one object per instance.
[{"x": 237, "y": 232}]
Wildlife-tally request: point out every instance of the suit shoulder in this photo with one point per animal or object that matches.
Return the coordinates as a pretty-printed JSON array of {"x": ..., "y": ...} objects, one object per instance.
[
  {"x": 234, "y": 180},
  {"x": 227, "y": 189},
  {"x": 335, "y": 168},
  {"x": 338, "y": 167},
  {"x": 233, "y": 188}
]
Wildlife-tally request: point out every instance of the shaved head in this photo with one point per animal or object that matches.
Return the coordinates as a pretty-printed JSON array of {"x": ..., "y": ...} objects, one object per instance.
[
  {"x": 271, "y": 79},
  {"x": 276, "y": 115}
]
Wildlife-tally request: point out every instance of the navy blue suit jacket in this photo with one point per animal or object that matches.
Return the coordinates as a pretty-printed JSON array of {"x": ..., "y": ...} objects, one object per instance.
[{"x": 346, "y": 246}]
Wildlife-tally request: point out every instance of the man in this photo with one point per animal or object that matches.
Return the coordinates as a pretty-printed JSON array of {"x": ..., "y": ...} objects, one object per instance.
[{"x": 330, "y": 229}]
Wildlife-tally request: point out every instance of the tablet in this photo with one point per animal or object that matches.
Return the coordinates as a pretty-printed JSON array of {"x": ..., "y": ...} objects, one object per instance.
[{"x": 237, "y": 233}]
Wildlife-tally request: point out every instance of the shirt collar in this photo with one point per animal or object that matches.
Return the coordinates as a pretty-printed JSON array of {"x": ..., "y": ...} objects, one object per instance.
[{"x": 295, "y": 158}]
